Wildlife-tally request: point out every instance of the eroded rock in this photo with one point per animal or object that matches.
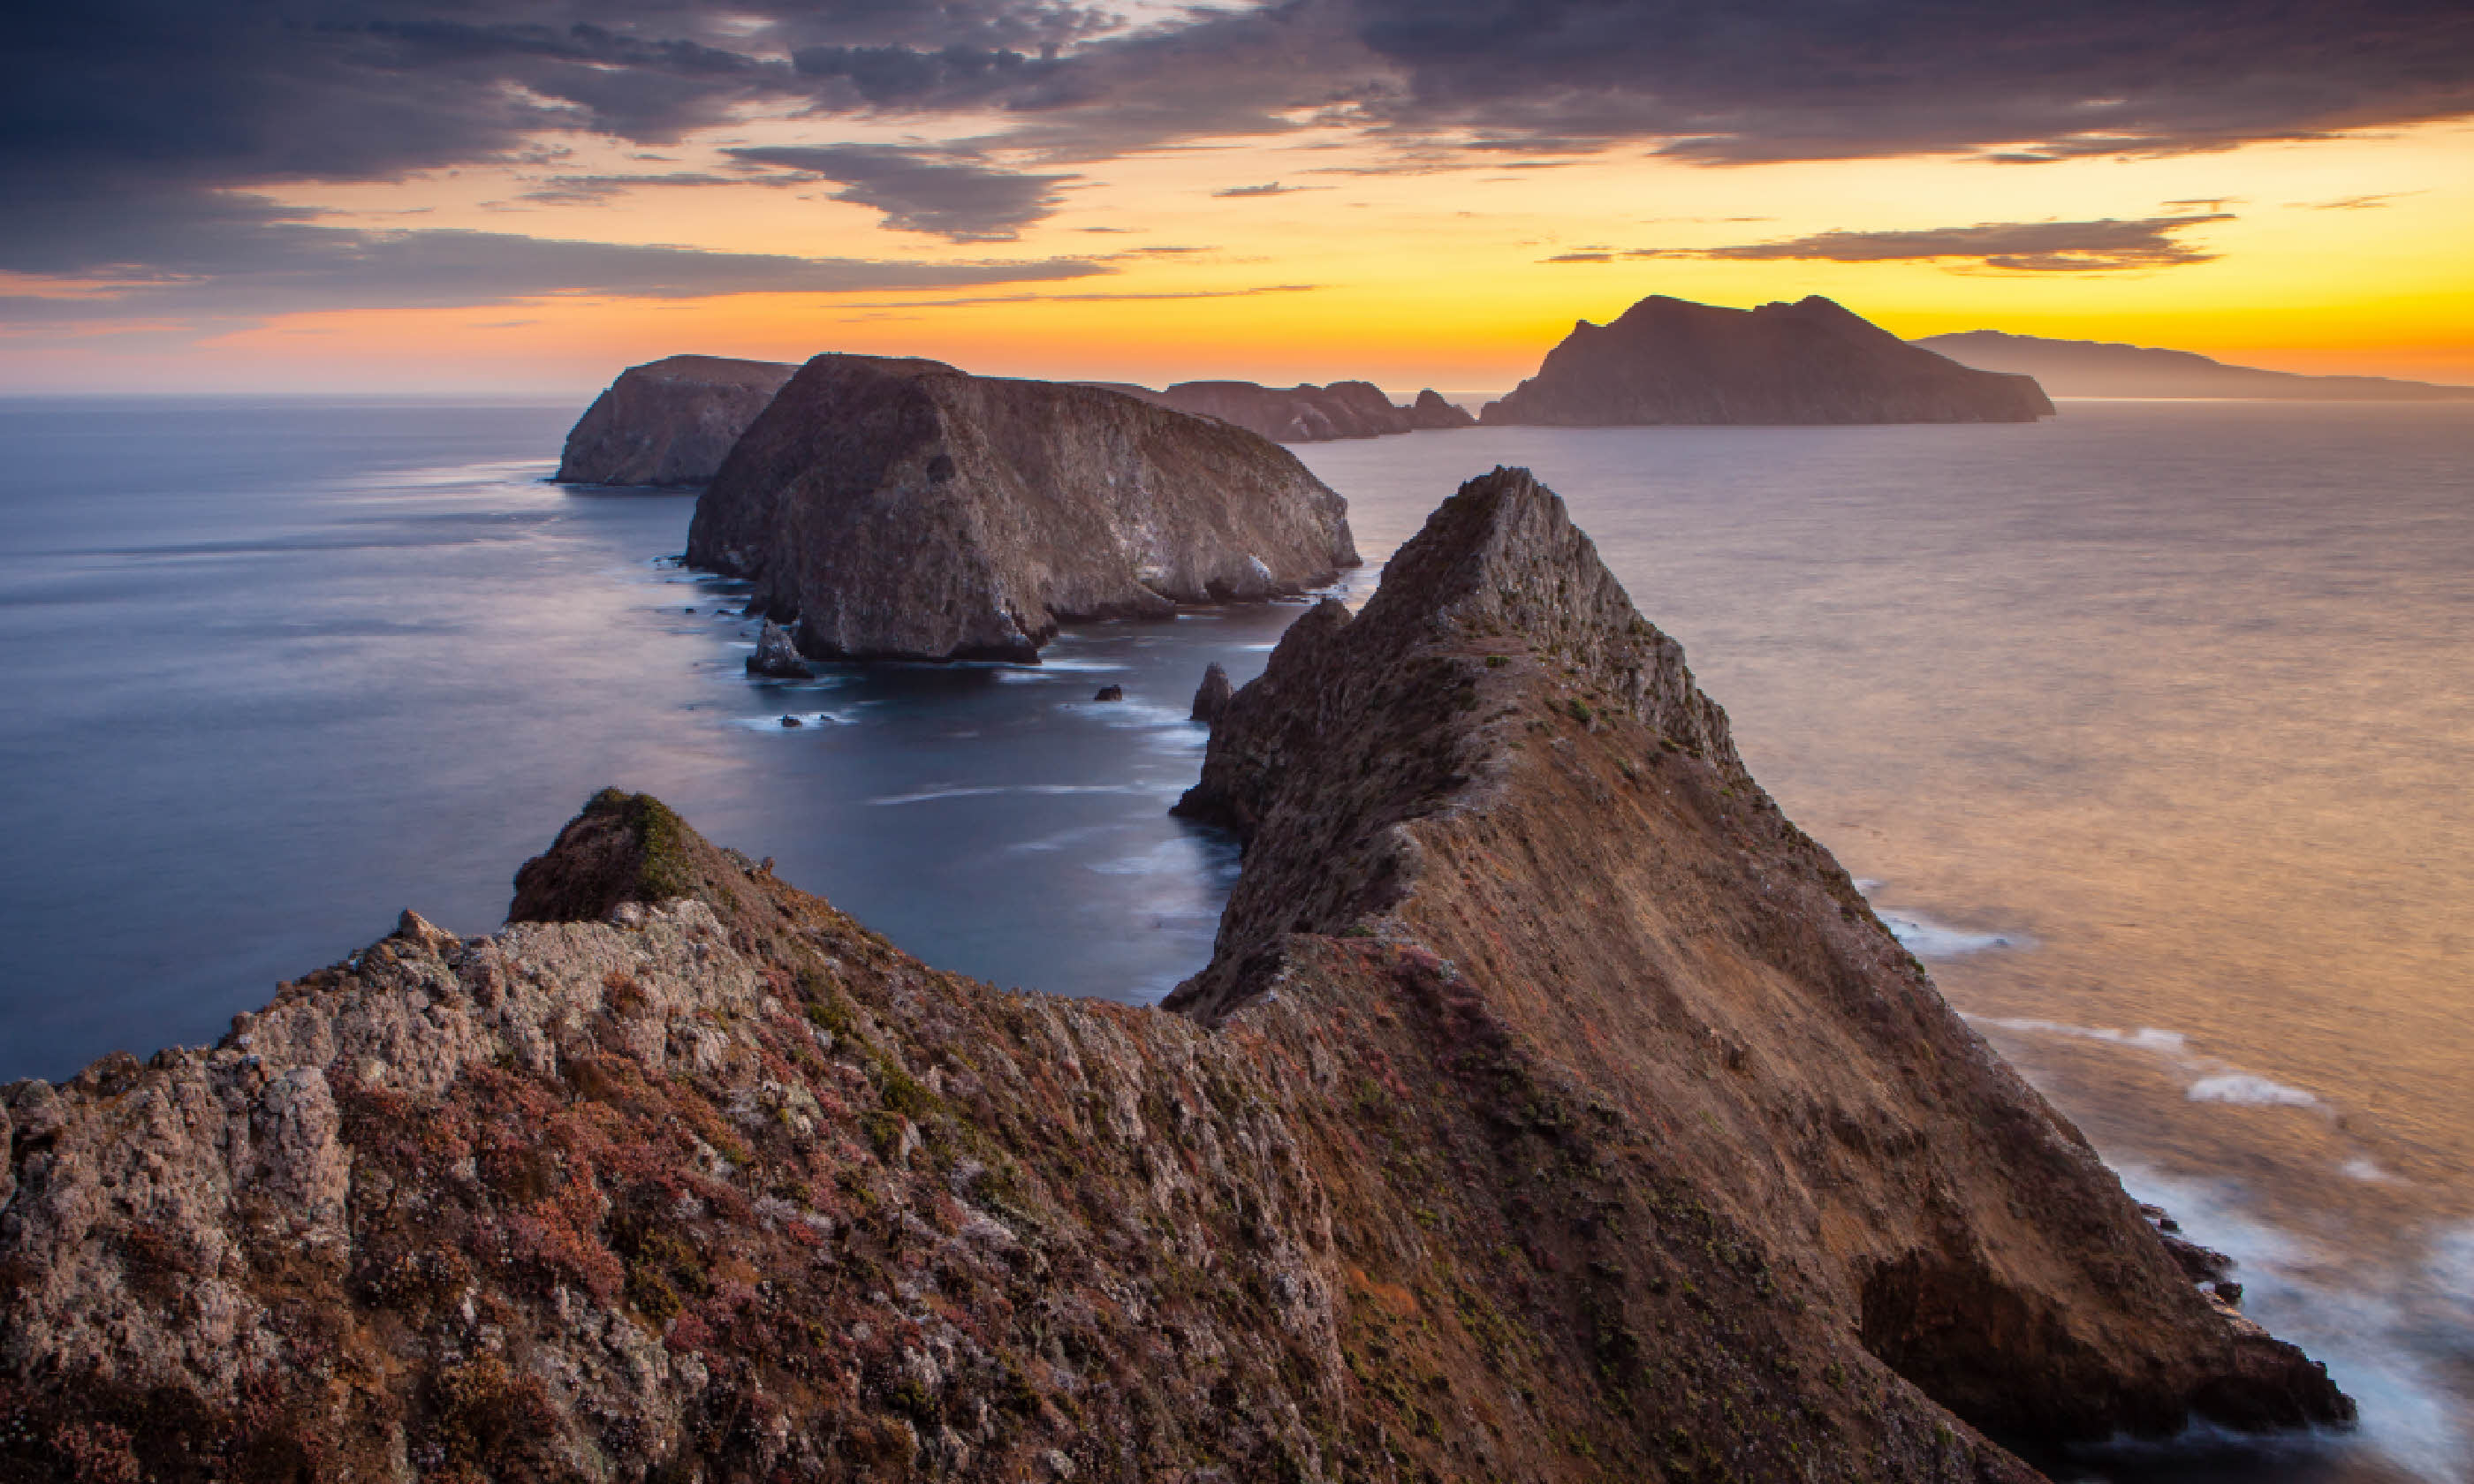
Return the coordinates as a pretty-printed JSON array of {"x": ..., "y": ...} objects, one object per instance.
[
  {"x": 670, "y": 421},
  {"x": 904, "y": 509}
]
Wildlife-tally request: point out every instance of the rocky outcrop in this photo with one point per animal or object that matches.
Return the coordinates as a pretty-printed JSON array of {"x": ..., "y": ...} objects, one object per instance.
[
  {"x": 2088, "y": 368},
  {"x": 1667, "y": 361},
  {"x": 777, "y": 656},
  {"x": 904, "y": 510},
  {"x": 1552, "y": 1110},
  {"x": 1304, "y": 414},
  {"x": 670, "y": 421},
  {"x": 1211, "y": 697}
]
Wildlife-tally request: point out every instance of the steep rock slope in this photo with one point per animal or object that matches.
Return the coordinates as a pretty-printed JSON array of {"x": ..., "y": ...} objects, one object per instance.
[
  {"x": 1668, "y": 361},
  {"x": 903, "y": 509},
  {"x": 1305, "y": 414},
  {"x": 2089, "y": 367},
  {"x": 670, "y": 421},
  {"x": 1552, "y": 1110}
]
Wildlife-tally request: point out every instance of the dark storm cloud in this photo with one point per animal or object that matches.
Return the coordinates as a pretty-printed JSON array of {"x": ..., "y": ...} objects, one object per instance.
[
  {"x": 2024, "y": 247},
  {"x": 287, "y": 267},
  {"x": 1833, "y": 78},
  {"x": 952, "y": 194}
]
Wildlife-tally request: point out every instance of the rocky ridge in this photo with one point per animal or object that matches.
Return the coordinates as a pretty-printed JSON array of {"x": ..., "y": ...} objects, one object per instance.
[
  {"x": 1668, "y": 361},
  {"x": 670, "y": 421},
  {"x": 1303, "y": 414},
  {"x": 1552, "y": 1109},
  {"x": 902, "y": 509},
  {"x": 2088, "y": 368}
]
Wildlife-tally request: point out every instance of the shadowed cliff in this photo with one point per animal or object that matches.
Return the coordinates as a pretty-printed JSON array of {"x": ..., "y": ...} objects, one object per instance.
[
  {"x": 1552, "y": 1109},
  {"x": 904, "y": 509}
]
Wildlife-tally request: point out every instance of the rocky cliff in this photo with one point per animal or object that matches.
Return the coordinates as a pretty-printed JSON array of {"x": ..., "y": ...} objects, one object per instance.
[
  {"x": 1667, "y": 361},
  {"x": 1305, "y": 414},
  {"x": 1552, "y": 1109},
  {"x": 668, "y": 422},
  {"x": 903, "y": 509}
]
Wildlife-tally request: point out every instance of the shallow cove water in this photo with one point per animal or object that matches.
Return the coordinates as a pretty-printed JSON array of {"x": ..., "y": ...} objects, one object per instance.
[{"x": 2148, "y": 726}]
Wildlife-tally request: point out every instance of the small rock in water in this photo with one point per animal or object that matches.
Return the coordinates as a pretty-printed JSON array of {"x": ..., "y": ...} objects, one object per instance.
[
  {"x": 777, "y": 656},
  {"x": 1110, "y": 693},
  {"x": 792, "y": 721},
  {"x": 687, "y": 609},
  {"x": 2229, "y": 1291},
  {"x": 1211, "y": 697}
]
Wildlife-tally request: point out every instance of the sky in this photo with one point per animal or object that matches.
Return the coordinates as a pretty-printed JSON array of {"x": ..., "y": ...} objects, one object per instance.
[{"x": 443, "y": 196}]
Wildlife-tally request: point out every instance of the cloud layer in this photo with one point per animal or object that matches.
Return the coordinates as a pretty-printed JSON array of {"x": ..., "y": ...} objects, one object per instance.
[
  {"x": 2021, "y": 246},
  {"x": 134, "y": 131}
]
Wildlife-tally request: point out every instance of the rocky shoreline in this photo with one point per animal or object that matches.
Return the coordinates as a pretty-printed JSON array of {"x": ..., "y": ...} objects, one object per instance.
[{"x": 1551, "y": 1108}]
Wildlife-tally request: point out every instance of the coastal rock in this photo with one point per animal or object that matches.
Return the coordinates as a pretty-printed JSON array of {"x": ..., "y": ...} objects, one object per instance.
[
  {"x": 904, "y": 510},
  {"x": 670, "y": 421},
  {"x": 1552, "y": 1109},
  {"x": 1110, "y": 693},
  {"x": 1304, "y": 414},
  {"x": 1211, "y": 697},
  {"x": 1667, "y": 361},
  {"x": 777, "y": 655}
]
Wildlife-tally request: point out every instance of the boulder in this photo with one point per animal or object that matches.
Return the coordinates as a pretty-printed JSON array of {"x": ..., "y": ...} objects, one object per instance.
[
  {"x": 1110, "y": 693},
  {"x": 1667, "y": 361},
  {"x": 1211, "y": 697},
  {"x": 777, "y": 655},
  {"x": 668, "y": 422},
  {"x": 901, "y": 508}
]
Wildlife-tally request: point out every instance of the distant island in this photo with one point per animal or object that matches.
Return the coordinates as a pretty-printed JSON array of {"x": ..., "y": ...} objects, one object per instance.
[
  {"x": 904, "y": 510},
  {"x": 1303, "y": 414},
  {"x": 1670, "y": 361},
  {"x": 2093, "y": 368},
  {"x": 670, "y": 421}
]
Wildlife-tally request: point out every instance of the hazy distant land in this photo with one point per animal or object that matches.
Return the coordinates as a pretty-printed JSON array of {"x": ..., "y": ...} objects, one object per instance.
[{"x": 2089, "y": 367}]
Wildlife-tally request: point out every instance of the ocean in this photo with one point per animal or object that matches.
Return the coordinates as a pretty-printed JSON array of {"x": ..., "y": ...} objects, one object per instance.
[{"x": 2148, "y": 727}]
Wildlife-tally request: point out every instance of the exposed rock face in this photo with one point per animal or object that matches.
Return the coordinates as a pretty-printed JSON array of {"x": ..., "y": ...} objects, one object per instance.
[
  {"x": 777, "y": 656},
  {"x": 904, "y": 509},
  {"x": 1667, "y": 361},
  {"x": 1552, "y": 1110},
  {"x": 670, "y": 421},
  {"x": 1211, "y": 697},
  {"x": 1304, "y": 414},
  {"x": 2088, "y": 368}
]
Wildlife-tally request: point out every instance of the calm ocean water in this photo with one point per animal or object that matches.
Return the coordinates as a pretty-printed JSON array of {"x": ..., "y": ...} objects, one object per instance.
[{"x": 2148, "y": 726}]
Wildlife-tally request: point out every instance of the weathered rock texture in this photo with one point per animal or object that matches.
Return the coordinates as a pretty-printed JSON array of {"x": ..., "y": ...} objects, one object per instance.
[
  {"x": 777, "y": 655},
  {"x": 2089, "y": 367},
  {"x": 668, "y": 422},
  {"x": 1553, "y": 1111},
  {"x": 1211, "y": 697},
  {"x": 1303, "y": 414},
  {"x": 904, "y": 510},
  {"x": 1667, "y": 361}
]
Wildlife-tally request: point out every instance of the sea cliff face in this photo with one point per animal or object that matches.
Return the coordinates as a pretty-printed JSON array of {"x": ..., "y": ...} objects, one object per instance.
[
  {"x": 903, "y": 509},
  {"x": 670, "y": 421},
  {"x": 1552, "y": 1109},
  {"x": 1667, "y": 361},
  {"x": 1305, "y": 414}
]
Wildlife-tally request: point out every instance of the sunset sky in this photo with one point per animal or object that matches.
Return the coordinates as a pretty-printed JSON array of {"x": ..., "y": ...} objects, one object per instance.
[{"x": 433, "y": 195}]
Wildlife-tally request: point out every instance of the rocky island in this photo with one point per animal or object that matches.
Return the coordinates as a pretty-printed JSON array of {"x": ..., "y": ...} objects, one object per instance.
[
  {"x": 1668, "y": 361},
  {"x": 1552, "y": 1109},
  {"x": 1304, "y": 414},
  {"x": 670, "y": 421},
  {"x": 901, "y": 508}
]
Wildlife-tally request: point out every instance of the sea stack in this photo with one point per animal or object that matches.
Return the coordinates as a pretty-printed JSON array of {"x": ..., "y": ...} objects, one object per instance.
[
  {"x": 1552, "y": 1109},
  {"x": 901, "y": 508},
  {"x": 1211, "y": 697},
  {"x": 1304, "y": 414},
  {"x": 668, "y": 422},
  {"x": 1667, "y": 361}
]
